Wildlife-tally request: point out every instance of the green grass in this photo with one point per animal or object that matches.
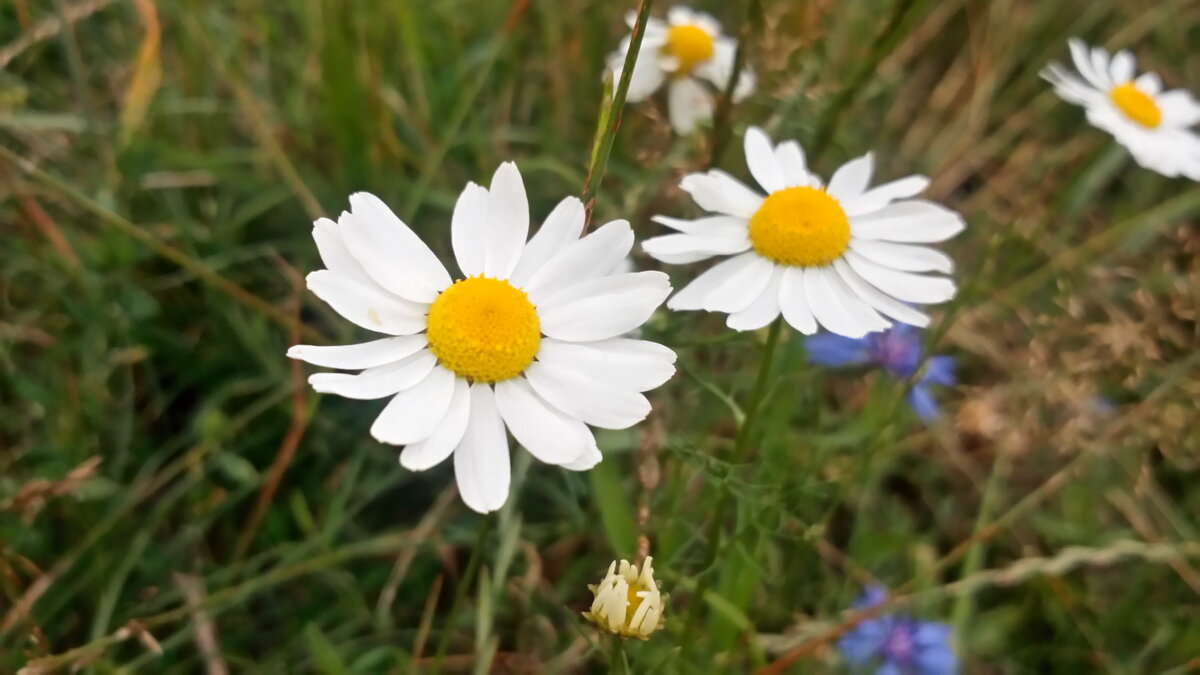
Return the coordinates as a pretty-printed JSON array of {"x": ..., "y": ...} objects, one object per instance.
[{"x": 158, "y": 210}]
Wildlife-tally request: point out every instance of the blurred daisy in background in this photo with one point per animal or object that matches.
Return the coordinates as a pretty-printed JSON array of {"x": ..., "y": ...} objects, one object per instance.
[
  {"x": 842, "y": 256},
  {"x": 1154, "y": 125},
  {"x": 688, "y": 52},
  {"x": 897, "y": 351},
  {"x": 529, "y": 340},
  {"x": 897, "y": 644}
]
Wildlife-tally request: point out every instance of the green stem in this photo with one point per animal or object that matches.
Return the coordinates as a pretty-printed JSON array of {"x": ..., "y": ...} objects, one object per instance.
[
  {"x": 722, "y": 120},
  {"x": 610, "y": 119},
  {"x": 831, "y": 118},
  {"x": 618, "y": 663},
  {"x": 740, "y": 448},
  {"x": 461, "y": 591}
]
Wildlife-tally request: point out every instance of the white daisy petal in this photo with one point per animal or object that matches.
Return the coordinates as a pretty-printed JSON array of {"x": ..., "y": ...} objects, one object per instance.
[
  {"x": 763, "y": 310},
  {"x": 881, "y": 301},
  {"x": 437, "y": 447},
  {"x": 1149, "y": 83},
  {"x": 413, "y": 414},
  {"x": 606, "y": 307},
  {"x": 792, "y": 164},
  {"x": 742, "y": 287},
  {"x": 336, "y": 256},
  {"x": 680, "y": 248},
  {"x": 1121, "y": 67},
  {"x": 855, "y": 306},
  {"x": 547, "y": 433},
  {"x": 367, "y": 306},
  {"x": 793, "y": 301},
  {"x": 467, "y": 225},
  {"x": 1083, "y": 63},
  {"x": 718, "y": 192},
  {"x": 378, "y": 381},
  {"x": 1179, "y": 109},
  {"x": 902, "y": 285},
  {"x": 852, "y": 178},
  {"x": 680, "y": 15},
  {"x": 647, "y": 76},
  {"x": 590, "y": 456},
  {"x": 760, "y": 158},
  {"x": 596, "y": 403},
  {"x": 481, "y": 464},
  {"x": 508, "y": 222},
  {"x": 561, "y": 228},
  {"x": 704, "y": 226},
  {"x": 390, "y": 252},
  {"x": 595, "y": 255},
  {"x": 1071, "y": 88},
  {"x": 693, "y": 295},
  {"x": 905, "y": 257},
  {"x": 880, "y": 196},
  {"x": 1100, "y": 67},
  {"x": 635, "y": 364},
  {"x": 359, "y": 356},
  {"x": 825, "y": 303},
  {"x": 688, "y": 103},
  {"x": 912, "y": 221}
]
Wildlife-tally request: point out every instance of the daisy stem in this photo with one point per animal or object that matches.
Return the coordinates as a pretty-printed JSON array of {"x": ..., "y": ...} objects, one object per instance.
[
  {"x": 459, "y": 593},
  {"x": 883, "y": 45},
  {"x": 610, "y": 117},
  {"x": 723, "y": 119},
  {"x": 618, "y": 663},
  {"x": 738, "y": 456}
]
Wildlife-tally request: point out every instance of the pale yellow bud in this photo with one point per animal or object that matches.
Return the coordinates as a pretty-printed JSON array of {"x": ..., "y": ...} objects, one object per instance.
[{"x": 628, "y": 603}]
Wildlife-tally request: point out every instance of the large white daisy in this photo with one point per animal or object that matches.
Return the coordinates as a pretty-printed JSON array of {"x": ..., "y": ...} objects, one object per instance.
[
  {"x": 687, "y": 50},
  {"x": 843, "y": 256},
  {"x": 530, "y": 340},
  {"x": 1154, "y": 125}
]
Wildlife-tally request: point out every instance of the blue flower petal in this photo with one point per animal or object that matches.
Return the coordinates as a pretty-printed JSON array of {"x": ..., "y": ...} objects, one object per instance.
[
  {"x": 940, "y": 370},
  {"x": 864, "y": 641},
  {"x": 889, "y": 668},
  {"x": 938, "y": 660},
  {"x": 922, "y": 403},
  {"x": 827, "y": 349}
]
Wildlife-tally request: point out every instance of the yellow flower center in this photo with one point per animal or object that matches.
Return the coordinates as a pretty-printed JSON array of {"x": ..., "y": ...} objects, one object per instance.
[
  {"x": 690, "y": 45},
  {"x": 1136, "y": 104},
  {"x": 800, "y": 226},
  {"x": 484, "y": 329}
]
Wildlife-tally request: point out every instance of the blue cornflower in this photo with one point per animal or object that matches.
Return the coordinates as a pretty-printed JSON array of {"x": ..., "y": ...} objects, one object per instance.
[
  {"x": 898, "y": 644},
  {"x": 896, "y": 350}
]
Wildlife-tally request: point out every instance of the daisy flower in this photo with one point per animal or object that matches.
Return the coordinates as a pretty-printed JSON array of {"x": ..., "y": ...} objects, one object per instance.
[
  {"x": 688, "y": 51},
  {"x": 898, "y": 644},
  {"x": 1154, "y": 125},
  {"x": 842, "y": 256},
  {"x": 628, "y": 602},
  {"x": 898, "y": 352},
  {"x": 529, "y": 339}
]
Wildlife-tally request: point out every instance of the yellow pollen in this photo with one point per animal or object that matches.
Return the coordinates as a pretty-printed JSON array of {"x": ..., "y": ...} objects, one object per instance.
[
  {"x": 484, "y": 329},
  {"x": 800, "y": 226},
  {"x": 1136, "y": 104},
  {"x": 690, "y": 45}
]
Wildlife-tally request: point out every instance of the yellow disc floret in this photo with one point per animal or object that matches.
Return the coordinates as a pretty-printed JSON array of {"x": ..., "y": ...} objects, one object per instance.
[
  {"x": 800, "y": 226},
  {"x": 1136, "y": 104},
  {"x": 484, "y": 329},
  {"x": 690, "y": 45}
]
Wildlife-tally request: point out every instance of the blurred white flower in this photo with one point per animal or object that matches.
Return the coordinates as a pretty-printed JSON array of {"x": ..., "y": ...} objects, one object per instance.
[
  {"x": 628, "y": 603},
  {"x": 529, "y": 340},
  {"x": 686, "y": 50},
  {"x": 842, "y": 256},
  {"x": 1152, "y": 124}
]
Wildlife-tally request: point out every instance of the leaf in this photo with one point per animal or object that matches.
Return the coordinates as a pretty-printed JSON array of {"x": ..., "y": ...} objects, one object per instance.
[
  {"x": 147, "y": 74},
  {"x": 323, "y": 652}
]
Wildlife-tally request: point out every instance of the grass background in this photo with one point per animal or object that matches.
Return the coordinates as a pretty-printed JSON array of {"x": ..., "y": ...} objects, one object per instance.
[{"x": 162, "y": 164}]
